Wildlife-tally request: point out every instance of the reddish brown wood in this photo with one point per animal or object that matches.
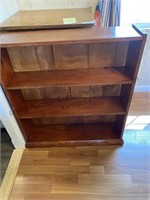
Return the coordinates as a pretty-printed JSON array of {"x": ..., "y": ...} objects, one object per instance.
[
  {"x": 6, "y": 68},
  {"x": 76, "y": 77},
  {"x": 132, "y": 58},
  {"x": 44, "y": 19},
  {"x": 71, "y": 107},
  {"x": 62, "y": 135},
  {"x": 68, "y": 36},
  {"x": 74, "y": 120},
  {"x": 89, "y": 119}
]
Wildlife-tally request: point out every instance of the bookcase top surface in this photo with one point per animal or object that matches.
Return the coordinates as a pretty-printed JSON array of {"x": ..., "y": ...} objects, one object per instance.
[
  {"x": 50, "y": 18},
  {"x": 68, "y": 36}
]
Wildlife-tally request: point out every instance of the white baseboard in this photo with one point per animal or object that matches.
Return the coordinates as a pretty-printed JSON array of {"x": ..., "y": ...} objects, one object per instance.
[{"x": 142, "y": 88}]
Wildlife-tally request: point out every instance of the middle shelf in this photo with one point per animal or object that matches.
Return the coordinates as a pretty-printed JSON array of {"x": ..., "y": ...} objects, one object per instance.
[
  {"x": 73, "y": 77},
  {"x": 71, "y": 107}
]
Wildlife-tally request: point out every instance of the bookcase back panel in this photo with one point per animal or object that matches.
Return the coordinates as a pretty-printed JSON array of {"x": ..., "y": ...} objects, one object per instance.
[
  {"x": 101, "y": 54},
  {"x": 31, "y": 58},
  {"x": 31, "y": 94},
  {"x": 69, "y": 56},
  {"x": 73, "y": 120},
  {"x": 121, "y": 53},
  {"x": 24, "y": 59},
  {"x": 71, "y": 92}
]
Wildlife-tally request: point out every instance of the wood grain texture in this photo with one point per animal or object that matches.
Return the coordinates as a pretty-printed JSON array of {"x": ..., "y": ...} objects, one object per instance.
[
  {"x": 121, "y": 53},
  {"x": 73, "y": 56},
  {"x": 71, "y": 107},
  {"x": 73, "y": 134},
  {"x": 24, "y": 59},
  {"x": 93, "y": 173},
  {"x": 101, "y": 55},
  {"x": 74, "y": 120},
  {"x": 78, "y": 77},
  {"x": 45, "y": 57},
  {"x": 31, "y": 58},
  {"x": 68, "y": 36},
  {"x": 100, "y": 86},
  {"x": 134, "y": 50},
  {"x": 31, "y": 94},
  {"x": 44, "y": 19},
  {"x": 6, "y": 68}
]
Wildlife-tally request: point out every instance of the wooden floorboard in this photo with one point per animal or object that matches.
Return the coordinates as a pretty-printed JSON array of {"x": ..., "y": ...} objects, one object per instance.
[
  {"x": 89, "y": 172},
  {"x": 140, "y": 104},
  {"x": 97, "y": 172}
]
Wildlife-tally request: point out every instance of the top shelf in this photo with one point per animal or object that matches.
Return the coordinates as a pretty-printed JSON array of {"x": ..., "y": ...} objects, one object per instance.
[{"x": 68, "y": 36}]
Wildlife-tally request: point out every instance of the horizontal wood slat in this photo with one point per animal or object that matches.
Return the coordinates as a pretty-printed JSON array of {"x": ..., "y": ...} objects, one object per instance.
[
  {"x": 74, "y": 77},
  {"x": 68, "y": 36},
  {"x": 71, "y": 107}
]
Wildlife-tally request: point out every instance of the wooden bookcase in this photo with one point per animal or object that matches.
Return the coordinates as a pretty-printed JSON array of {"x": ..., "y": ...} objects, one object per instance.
[{"x": 71, "y": 86}]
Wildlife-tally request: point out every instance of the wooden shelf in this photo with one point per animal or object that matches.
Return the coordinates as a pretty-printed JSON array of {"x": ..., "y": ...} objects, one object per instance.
[
  {"x": 60, "y": 135},
  {"x": 60, "y": 78},
  {"x": 71, "y": 86},
  {"x": 68, "y": 36},
  {"x": 71, "y": 107}
]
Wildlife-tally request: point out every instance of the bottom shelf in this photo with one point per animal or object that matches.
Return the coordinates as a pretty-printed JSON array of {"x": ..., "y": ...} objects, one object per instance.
[{"x": 73, "y": 134}]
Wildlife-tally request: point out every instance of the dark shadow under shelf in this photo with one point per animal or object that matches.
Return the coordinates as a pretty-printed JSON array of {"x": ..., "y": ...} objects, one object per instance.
[{"x": 77, "y": 134}]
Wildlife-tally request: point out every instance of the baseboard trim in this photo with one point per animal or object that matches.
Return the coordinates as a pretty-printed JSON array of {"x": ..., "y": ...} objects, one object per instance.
[
  {"x": 142, "y": 88},
  {"x": 10, "y": 175}
]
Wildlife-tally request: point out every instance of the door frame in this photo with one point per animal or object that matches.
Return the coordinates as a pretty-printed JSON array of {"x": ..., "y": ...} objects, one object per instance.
[{"x": 10, "y": 123}]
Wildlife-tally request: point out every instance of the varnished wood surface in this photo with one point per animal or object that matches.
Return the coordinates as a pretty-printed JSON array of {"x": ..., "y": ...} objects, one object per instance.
[
  {"x": 42, "y": 19},
  {"x": 68, "y": 36},
  {"x": 68, "y": 50},
  {"x": 68, "y": 56},
  {"x": 71, "y": 107},
  {"x": 73, "y": 134},
  {"x": 84, "y": 173},
  {"x": 76, "y": 77}
]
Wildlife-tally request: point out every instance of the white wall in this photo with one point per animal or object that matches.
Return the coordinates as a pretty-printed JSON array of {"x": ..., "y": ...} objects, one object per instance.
[
  {"x": 143, "y": 82},
  {"x": 8, "y": 8},
  {"x": 55, "y": 4},
  {"x": 134, "y": 11}
]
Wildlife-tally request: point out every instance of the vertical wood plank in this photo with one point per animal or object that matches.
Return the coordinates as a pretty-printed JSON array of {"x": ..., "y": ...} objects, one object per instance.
[
  {"x": 71, "y": 56},
  {"x": 55, "y": 92},
  {"x": 101, "y": 54},
  {"x": 111, "y": 90},
  {"x": 31, "y": 94},
  {"x": 96, "y": 91},
  {"x": 24, "y": 59},
  {"x": 79, "y": 92},
  {"x": 121, "y": 53},
  {"x": 45, "y": 57}
]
